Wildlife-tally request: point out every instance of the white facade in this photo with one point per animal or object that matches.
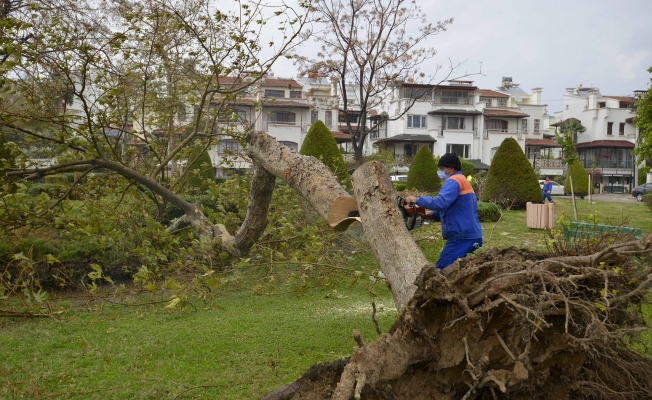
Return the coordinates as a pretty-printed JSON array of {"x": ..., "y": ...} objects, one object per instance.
[{"x": 605, "y": 148}]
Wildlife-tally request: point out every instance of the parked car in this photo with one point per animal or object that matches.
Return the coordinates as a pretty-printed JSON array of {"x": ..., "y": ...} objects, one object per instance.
[
  {"x": 557, "y": 189},
  {"x": 399, "y": 178},
  {"x": 639, "y": 191}
]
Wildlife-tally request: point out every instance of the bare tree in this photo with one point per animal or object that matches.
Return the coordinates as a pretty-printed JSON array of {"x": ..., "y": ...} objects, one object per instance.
[{"x": 369, "y": 46}]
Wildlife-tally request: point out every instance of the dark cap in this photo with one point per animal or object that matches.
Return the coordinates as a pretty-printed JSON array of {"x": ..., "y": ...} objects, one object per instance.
[{"x": 450, "y": 160}]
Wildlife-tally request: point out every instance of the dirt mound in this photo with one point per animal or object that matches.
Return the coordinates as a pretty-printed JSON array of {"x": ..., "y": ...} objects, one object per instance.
[{"x": 506, "y": 324}]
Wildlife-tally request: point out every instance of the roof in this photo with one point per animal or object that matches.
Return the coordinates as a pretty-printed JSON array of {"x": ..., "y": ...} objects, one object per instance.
[
  {"x": 280, "y": 82},
  {"x": 624, "y": 99},
  {"x": 408, "y": 138},
  {"x": 541, "y": 143},
  {"x": 447, "y": 111},
  {"x": 617, "y": 144},
  {"x": 489, "y": 93},
  {"x": 479, "y": 164},
  {"x": 504, "y": 113},
  {"x": 341, "y": 137},
  {"x": 630, "y": 120}
]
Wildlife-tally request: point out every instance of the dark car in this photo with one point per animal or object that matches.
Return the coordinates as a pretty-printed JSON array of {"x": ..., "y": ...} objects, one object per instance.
[{"x": 639, "y": 191}]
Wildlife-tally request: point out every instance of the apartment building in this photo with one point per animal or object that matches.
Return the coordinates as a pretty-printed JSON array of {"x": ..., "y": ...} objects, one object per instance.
[{"x": 605, "y": 149}]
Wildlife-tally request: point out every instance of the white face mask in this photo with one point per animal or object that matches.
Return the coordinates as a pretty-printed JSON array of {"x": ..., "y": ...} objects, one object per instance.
[{"x": 442, "y": 175}]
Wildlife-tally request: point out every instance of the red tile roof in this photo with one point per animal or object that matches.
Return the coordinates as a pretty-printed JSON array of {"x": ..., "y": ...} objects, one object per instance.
[
  {"x": 624, "y": 99},
  {"x": 619, "y": 144},
  {"x": 490, "y": 93},
  {"x": 541, "y": 143},
  {"x": 504, "y": 113},
  {"x": 341, "y": 137},
  {"x": 280, "y": 82}
]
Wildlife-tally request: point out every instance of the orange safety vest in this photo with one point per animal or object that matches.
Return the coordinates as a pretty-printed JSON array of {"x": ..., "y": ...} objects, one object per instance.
[{"x": 465, "y": 186}]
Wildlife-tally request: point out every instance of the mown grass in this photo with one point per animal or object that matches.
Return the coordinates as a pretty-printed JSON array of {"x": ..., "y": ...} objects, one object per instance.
[{"x": 239, "y": 346}]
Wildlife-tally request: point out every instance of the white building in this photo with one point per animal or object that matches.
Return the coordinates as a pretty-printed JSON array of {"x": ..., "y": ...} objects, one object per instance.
[
  {"x": 283, "y": 108},
  {"x": 459, "y": 117},
  {"x": 605, "y": 149}
]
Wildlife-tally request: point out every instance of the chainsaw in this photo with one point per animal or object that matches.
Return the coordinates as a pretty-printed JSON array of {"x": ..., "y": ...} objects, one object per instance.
[{"x": 414, "y": 215}]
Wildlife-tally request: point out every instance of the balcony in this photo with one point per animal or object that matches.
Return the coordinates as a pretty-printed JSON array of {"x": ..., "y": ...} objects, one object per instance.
[
  {"x": 304, "y": 126},
  {"x": 546, "y": 163},
  {"x": 516, "y": 132},
  {"x": 608, "y": 163}
]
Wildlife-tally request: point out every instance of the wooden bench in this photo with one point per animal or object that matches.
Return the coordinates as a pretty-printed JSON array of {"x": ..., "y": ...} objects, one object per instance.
[{"x": 584, "y": 229}]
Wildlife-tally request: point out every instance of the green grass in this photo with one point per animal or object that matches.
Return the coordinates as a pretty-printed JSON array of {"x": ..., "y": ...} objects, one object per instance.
[{"x": 241, "y": 347}]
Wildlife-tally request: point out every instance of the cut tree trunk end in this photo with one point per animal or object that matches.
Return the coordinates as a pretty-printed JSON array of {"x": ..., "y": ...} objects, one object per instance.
[
  {"x": 508, "y": 323},
  {"x": 399, "y": 257}
]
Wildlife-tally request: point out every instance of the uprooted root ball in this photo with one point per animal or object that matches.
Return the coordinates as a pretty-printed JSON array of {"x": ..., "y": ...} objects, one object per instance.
[{"x": 507, "y": 324}]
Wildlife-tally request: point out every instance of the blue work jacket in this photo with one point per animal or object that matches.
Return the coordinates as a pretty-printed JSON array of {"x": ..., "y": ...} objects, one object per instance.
[
  {"x": 547, "y": 186},
  {"x": 456, "y": 207}
]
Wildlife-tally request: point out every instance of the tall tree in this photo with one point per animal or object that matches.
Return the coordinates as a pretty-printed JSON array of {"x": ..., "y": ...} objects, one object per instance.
[
  {"x": 371, "y": 45},
  {"x": 566, "y": 134},
  {"x": 643, "y": 121}
]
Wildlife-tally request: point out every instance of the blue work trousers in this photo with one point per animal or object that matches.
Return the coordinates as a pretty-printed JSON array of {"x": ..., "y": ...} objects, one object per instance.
[
  {"x": 546, "y": 195},
  {"x": 456, "y": 248}
]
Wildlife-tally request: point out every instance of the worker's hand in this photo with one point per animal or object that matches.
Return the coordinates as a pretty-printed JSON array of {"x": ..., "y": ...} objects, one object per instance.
[
  {"x": 410, "y": 199},
  {"x": 428, "y": 213}
]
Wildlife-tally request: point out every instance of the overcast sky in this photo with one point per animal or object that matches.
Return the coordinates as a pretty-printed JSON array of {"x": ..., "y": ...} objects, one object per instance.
[{"x": 552, "y": 44}]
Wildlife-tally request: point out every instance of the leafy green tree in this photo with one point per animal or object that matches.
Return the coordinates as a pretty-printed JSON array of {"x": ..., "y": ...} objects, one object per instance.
[
  {"x": 201, "y": 172},
  {"x": 511, "y": 178},
  {"x": 7, "y": 157},
  {"x": 321, "y": 144},
  {"x": 643, "y": 121},
  {"x": 580, "y": 180},
  {"x": 566, "y": 133},
  {"x": 467, "y": 167},
  {"x": 423, "y": 172}
]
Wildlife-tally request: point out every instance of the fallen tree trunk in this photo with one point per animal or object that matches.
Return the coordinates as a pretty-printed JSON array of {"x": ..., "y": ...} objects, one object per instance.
[
  {"x": 399, "y": 257},
  {"x": 507, "y": 324}
]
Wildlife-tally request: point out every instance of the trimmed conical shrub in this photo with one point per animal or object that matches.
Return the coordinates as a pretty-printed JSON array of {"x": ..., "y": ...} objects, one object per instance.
[
  {"x": 580, "y": 180},
  {"x": 511, "y": 177},
  {"x": 467, "y": 167},
  {"x": 423, "y": 172},
  {"x": 321, "y": 144},
  {"x": 201, "y": 172}
]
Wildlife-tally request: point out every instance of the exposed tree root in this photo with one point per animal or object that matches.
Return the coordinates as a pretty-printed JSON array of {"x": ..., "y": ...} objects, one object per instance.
[{"x": 507, "y": 324}]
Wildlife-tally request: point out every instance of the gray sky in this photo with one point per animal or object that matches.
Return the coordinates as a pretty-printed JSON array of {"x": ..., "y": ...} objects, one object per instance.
[{"x": 551, "y": 44}]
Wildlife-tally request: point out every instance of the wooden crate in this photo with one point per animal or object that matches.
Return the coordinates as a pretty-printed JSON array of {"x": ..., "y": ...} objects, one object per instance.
[{"x": 540, "y": 216}]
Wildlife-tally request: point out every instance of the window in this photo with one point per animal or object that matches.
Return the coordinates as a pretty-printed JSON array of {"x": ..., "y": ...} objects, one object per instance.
[
  {"x": 416, "y": 121},
  {"x": 410, "y": 149},
  {"x": 294, "y": 146},
  {"x": 227, "y": 115},
  {"x": 621, "y": 129},
  {"x": 229, "y": 146},
  {"x": 454, "y": 97},
  {"x": 524, "y": 125},
  {"x": 602, "y": 104},
  {"x": 314, "y": 116},
  {"x": 610, "y": 128},
  {"x": 486, "y": 100},
  {"x": 282, "y": 117},
  {"x": 329, "y": 118},
  {"x": 415, "y": 93},
  {"x": 497, "y": 125},
  {"x": 537, "y": 126},
  {"x": 461, "y": 150},
  {"x": 502, "y": 102},
  {"x": 454, "y": 123},
  {"x": 274, "y": 93},
  {"x": 295, "y": 94}
]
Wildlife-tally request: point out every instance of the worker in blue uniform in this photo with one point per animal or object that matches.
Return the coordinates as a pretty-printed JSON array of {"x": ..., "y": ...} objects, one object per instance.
[
  {"x": 457, "y": 209},
  {"x": 547, "y": 189}
]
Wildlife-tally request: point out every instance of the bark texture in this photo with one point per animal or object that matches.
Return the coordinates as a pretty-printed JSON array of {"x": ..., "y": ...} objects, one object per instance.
[
  {"x": 307, "y": 175},
  {"x": 399, "y": 257}
]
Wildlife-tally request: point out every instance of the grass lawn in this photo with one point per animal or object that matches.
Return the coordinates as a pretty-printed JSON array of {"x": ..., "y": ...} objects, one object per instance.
[{"x": 240, "y": 347}]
